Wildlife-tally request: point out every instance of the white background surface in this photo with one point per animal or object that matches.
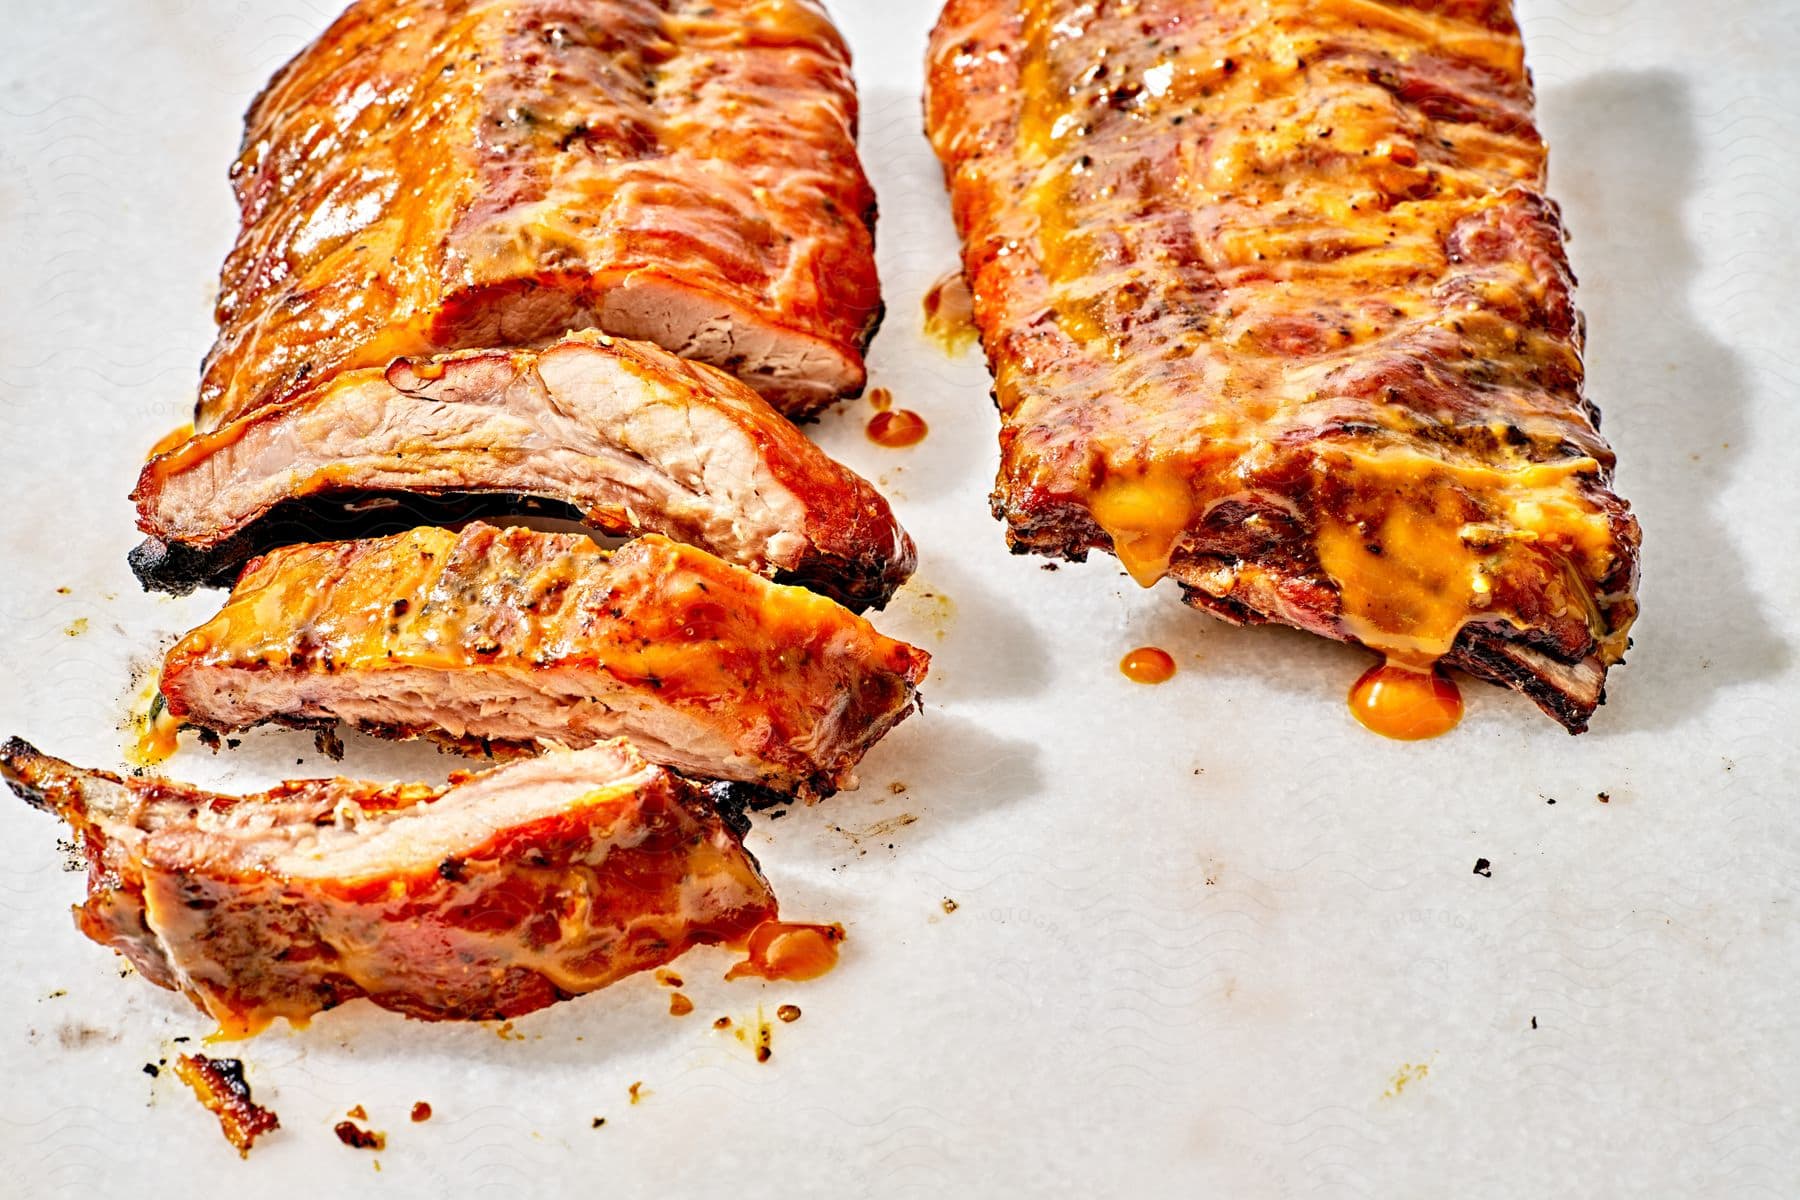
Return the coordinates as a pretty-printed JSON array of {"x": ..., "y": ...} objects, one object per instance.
[{"x": 1202, "y": 927}]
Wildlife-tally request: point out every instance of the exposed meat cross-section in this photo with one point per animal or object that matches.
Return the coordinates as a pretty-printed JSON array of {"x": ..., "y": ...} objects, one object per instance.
[
  {"x": 619, "y": 434},
  {"x": 499, "y": 894}
]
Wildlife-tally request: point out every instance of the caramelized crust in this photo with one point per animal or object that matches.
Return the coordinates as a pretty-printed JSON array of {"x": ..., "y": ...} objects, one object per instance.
[
  {"x": 512, "y": 636},
  {"x": 619, "y": 434},
  {"x": 1276, "y": 305},
  {"x": 435, "y": 175},
  {"x": 499, "y": 894}
]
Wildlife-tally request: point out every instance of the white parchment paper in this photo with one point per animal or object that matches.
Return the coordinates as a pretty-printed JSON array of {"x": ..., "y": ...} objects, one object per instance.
[{"x": 1210, "y": 939}]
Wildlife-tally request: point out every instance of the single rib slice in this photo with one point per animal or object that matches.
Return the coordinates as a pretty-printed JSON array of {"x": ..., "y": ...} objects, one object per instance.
[
  {"x": 511, "y": 635},
  {"x": 499, "y": 894},
  {"x": 447, "y": 174},
  {"x": 1276, "y": 305},
  {"x": 620, "y": 434}
]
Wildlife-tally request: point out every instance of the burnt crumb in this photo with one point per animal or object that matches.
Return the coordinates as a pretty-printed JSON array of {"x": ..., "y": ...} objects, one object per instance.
[
  {"x": 950, "y": 905},
  {"x": 451, "y": 869},
  {"x": 233, "y": 743},
  {"x": 358, "y": 1138},
  {"x": 598, "y": 1122},
  {"x": 775, "y": 814},
  {"x": 210, "y": 739},
  {"x": 1049, "y": 566},
  {"x": 58, "y": 994},
  {"x": 152, "y": 1070},
  {"x": 73, "y": 859},
  {"x": 328, "y": 743},
  {"x": 219, "y": 1084},
  {"x": 1534, "y": 1022},
  {"x": 400, "y": 606},
  {"x": 183, "y": 1040},
  {"x": 1549, "y": 799},
  {"x": 1484, "y": 868},
  {"x": 1604, "y": 797}
]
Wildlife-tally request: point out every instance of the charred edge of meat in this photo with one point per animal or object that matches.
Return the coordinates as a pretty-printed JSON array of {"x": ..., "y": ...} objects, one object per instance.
[
  {"x": 178, "y": 568},
  {"x": 15, "y": 755},
  {"x": 734, "y": 801},
  {"x": 219, "y": 1084}
]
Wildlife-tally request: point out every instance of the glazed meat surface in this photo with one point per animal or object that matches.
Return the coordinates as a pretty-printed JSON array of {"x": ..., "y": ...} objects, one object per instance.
[
  {"x": 1276, "y": 305},
  {"x": 617, "y": 433},
  {"x": 434, "y": 175},
  {"x": 512, "y": 636},
  {"x": 496, "y": 895}
]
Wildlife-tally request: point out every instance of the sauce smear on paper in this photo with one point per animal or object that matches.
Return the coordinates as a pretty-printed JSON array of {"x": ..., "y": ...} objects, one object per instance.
[
  {"x": 897, "y": 428},
  {"x": 1405, "y": 703},
  {"x": 950, "y": 313},
  {"x": 1148, "y": 664},
  {"x": 789, "y": 950}
]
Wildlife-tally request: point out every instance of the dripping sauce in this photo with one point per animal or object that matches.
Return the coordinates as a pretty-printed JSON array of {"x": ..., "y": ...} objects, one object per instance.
[{"x": 1405, "y": 703}]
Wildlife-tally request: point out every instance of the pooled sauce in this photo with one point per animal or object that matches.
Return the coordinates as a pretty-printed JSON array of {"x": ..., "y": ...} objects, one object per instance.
[
  {"x": 1148, "y": 664},
  {"x": 950, "y": 313},
  {"x": 789, "y": 950},
  {"x": 1406, "y": 704},
  {"x": 171, "y": 439},
  {"x": 897, "y": 428},
  {"x": 880, "y": 399}
]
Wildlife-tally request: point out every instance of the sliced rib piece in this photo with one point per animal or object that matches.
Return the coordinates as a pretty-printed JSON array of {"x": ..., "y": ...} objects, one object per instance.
[
  {"x": 620, "y": 434},
  {"x": 435, "y": 175},
  {"x": 499, "y": 894},
  {"x": 1276, "y": 305},
  {"x": 512, "y": 635}
]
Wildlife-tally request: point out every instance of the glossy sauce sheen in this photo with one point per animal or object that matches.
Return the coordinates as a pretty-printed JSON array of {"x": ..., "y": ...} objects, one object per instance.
[
  {"x": 1405, "y": 704},
  {"x": 426, "y": 165},
  {"x": 1276, "y": 304},
  {"x": 788, "y": 950},
  {"x": 897, "y": 428},
  {"x": 1148, "y": 664},
  {"x": 514, "y": 634}
]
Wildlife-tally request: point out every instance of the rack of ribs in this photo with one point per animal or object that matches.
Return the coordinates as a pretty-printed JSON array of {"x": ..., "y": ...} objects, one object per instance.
[
  {"x": 501, "y": 893},
  {"x": 511, "y": 637},
  {"x": 619, "y": 434},
  {"x": 431, "y": 176},
  {"x": 1276, "y": 306}
]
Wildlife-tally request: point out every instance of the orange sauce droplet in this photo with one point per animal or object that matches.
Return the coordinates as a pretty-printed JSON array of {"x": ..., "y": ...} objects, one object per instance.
[
  {"x": 1406, "y": 704},
  {"x": 789, "y": 950},
  {"x": 421, "y": 1111},
  {"x": 172, "y": 439},
  {"x": 156, "y": 739},
  {"x": 1148, "y": 664},
  {"x": 897, "y": 428},
  {"x": 880, "y": 399},
  {"x": 680, "y": 1005},
  {"x": 950, "y": 313}
]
